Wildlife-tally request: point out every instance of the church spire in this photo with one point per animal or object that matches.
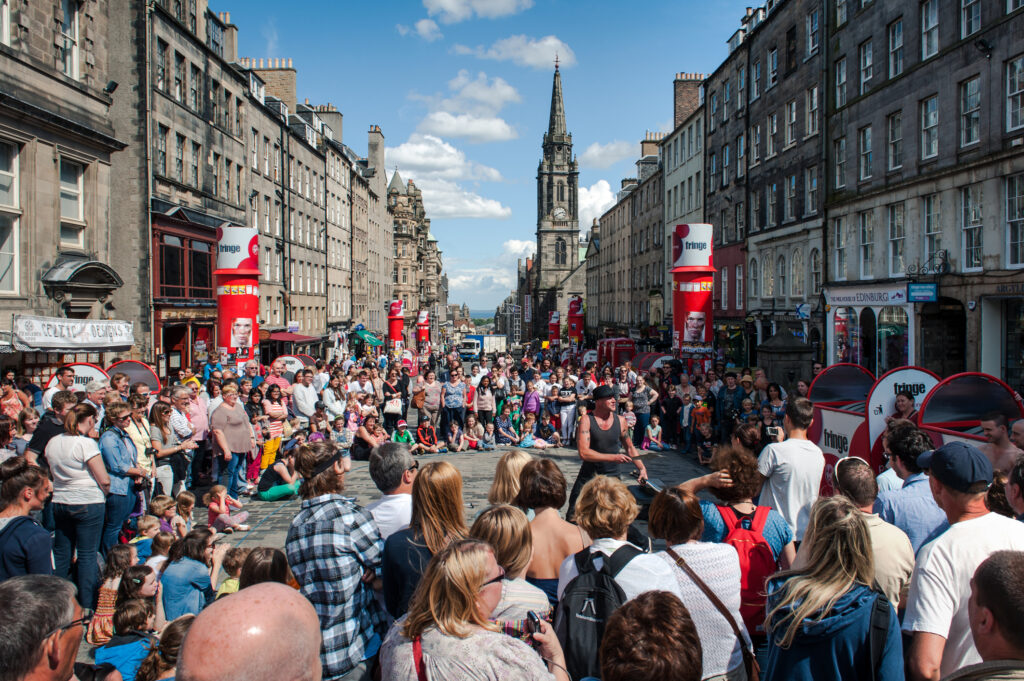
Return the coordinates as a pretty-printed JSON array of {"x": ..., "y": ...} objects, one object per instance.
[{"x": 556, "y": 124}]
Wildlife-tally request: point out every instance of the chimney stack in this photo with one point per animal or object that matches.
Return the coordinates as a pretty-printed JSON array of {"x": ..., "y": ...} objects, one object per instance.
[{"x": 686, "y": 95}]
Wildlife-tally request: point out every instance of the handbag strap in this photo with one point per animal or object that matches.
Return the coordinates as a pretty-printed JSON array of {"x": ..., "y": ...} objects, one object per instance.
[
  {"x": 715, "y": 600},
  {"x": 417, "y": 659}
]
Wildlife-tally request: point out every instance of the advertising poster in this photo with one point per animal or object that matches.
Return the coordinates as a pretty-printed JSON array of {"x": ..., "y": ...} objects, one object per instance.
[
  {"x": 692, "y": 290},
  {"x": 238, "y": 293}
]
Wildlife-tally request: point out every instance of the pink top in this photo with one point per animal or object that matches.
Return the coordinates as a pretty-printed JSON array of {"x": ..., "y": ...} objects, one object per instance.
[
  {"x": 281, "y": 382},
  {"x": 199, "y": 418}
]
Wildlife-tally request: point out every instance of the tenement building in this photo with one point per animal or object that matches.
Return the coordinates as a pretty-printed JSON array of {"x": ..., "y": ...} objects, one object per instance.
[
  {"x": 763, "y": 169},
  {"x": 682, "y": 160},
  {"x": 925, "y": 196},
  {"x": 60, "y": 253},
  {"x": 647, "y": 239},
  {"x": 182, "y": 109}
]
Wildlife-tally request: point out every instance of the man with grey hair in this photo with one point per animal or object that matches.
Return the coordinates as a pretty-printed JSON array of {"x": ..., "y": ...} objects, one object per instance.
[
  {"x": 275, "y": 637},
  {"x": 42, "y": 625},
  {"x": 95, "y": 391},
  {"x": 393, "y": 470},
  {"x": 1017, "y": 433}
]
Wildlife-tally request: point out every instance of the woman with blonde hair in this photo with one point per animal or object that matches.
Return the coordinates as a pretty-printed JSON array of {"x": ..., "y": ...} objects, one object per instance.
[
  {"x": 507, "y": 531},
  {"x": 447, "y": 633},
  {"x": 438, "y": 518},
  {"x": 505, "y": 487},
  {"x": 821, "y": 614}
]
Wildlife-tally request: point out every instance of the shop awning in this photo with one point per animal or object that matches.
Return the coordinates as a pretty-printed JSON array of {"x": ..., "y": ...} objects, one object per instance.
[
  {"x": 369, "y": 338},
  {"x": 56, "y": 334},
  {"x": 289, "y": 337}
]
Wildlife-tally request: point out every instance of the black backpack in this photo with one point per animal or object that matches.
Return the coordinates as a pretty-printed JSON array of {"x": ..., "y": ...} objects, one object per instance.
[{"x": 585, "y": 606}]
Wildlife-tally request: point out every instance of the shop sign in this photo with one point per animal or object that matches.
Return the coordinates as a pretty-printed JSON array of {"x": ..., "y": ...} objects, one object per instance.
[
  {"x": 31, "y": 333},
  {"x": 293, "y": 327},
  {"x": 803, "y": 311},
  {"x": 922, "y": 293},
  {"x": 896, "y": 296}
]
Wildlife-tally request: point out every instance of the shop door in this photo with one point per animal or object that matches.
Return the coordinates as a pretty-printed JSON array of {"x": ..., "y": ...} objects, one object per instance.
[
  {"x": 944, "y": 337},
  {"x": 868, "y": 339},
  {"x": 175, "y": 344}
]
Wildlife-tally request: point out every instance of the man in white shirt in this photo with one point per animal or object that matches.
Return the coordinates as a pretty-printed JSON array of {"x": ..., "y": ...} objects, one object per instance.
[
  {"x": 585, "y": 385},
  {"x": 792, "y": 469},
  {"x": 322, "y": 378},
  {"x": 65, "y": 379},
  {"x": 938, "y": 616},
  {"x": 392, "y": 470},
  {"x": 362, "y": 385},
  {"x": 305, "y": 397}
]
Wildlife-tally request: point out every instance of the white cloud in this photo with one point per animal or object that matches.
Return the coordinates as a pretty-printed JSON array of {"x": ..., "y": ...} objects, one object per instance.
[
  {"x": 424, "y": 28},
  {"x": 470, "y": 110},
  {"x": 436, "y": 167},
  {"x": 454, "y": 11},
  {"x": 428, "y": 30},
  {"x": 518, "y": 248},
  {"x": 269, "y": 32},
  {"x": 605, "y": 155},
  {"x": 594, "y": 201},
  {"x": 472, "y": 128},
  {"x": 537, "y": 53}
]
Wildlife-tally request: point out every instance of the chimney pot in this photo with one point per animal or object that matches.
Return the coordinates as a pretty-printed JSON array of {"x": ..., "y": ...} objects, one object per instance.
[
  {"x": 261, "y": 62},
  {"x": 227, "y": 17},
  {"x": 289, "y": 62}
]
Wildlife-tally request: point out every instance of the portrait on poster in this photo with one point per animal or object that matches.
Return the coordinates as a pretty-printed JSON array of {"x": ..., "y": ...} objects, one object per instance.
[
  {"x": 241, "y": 333},
  {"x": 695, "y": 324}
]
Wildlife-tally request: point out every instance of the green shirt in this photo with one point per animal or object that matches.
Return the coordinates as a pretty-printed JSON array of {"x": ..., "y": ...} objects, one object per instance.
[{"x": 407, "y": 437}]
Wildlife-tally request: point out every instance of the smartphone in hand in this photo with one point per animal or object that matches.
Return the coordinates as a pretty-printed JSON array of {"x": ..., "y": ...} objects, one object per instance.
[{"x": 532, "y": 623}]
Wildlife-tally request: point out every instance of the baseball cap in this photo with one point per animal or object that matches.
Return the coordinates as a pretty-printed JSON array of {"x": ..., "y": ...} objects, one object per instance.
[
  {"x": 603, "y": 392},
  {"x": 957, "y": 465},
  {"x": 402, "y": 424}
]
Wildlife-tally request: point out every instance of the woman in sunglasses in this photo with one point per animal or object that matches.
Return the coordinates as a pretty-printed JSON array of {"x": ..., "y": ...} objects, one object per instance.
[
  {"x": 122, "y": 462},
  {"x": 447, "y": 633}
]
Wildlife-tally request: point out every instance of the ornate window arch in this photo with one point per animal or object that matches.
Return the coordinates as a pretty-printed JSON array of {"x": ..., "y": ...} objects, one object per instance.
[
  {"x": 754, "y": 281},
  {"x": 796, "y": 275},
  {"x": 560, "y": 251}
]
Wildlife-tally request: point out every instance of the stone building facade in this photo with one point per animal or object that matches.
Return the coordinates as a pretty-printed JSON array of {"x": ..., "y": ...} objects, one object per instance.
[
  {"x": 380, "y": 234},
  {"x": 612, "y": 285},
  {"x": 61, "y": 255},
  {"x": 556, "y": 269},
  {"x": 926, "y": 186},
  {"x": 183, "y": 174},
  {"x": 647, "y": 272},
  {"x": 360, "y": 242}
]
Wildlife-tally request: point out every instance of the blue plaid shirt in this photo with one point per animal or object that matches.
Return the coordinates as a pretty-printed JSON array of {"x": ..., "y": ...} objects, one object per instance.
[{"x": 331, "y": 542}]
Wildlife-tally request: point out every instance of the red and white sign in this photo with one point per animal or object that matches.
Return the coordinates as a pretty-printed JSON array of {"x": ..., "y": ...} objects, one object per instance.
[
  {"x": 238, "y": 293},
  {"x": 84, "y": 372},
  {"x": 692, "y": 246}
]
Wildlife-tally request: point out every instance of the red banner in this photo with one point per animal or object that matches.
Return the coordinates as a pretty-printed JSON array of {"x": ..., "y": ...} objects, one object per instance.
[{"x": 396, "y": 323}]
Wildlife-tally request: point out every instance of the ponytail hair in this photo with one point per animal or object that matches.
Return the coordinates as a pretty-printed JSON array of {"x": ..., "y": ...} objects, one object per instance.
[
  {"x": 76, "y": 415},
  {"x": 15, "y": 475}
]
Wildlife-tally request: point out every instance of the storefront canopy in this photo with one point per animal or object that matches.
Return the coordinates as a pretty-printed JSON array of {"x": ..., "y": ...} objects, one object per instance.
[
  {"x": 289, "y": 337},
  {"x": 56, "y": 334},
  {"x": 369, "y": 338},
  {"x": 841, "y": 384}
]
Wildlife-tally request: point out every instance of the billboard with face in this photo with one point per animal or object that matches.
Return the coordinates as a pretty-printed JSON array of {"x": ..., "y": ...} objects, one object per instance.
[{"x": 692, "y": 289}]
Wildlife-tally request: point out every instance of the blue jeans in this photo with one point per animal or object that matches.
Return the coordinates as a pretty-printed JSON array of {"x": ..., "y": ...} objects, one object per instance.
[
  {"x": 229, "y": 472},
  {"x": 640, "y": 428},
  {"x": 119, "y": 507},
  {"x": 448, "y": 414},
  {"x": 685, "y": 437},
  {"x": 78, "y": 530}
]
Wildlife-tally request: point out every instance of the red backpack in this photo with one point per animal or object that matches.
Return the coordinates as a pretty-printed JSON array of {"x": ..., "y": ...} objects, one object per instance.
[{"x": 757, "y": 563}]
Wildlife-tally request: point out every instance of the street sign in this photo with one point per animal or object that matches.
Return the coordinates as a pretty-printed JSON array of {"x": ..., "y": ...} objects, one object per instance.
[
  {"x": 922, "y": 293},
  {"x": 803, "y": 311}
]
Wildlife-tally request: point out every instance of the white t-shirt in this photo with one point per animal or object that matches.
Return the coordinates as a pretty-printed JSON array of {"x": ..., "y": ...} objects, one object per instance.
[
  {"x": 634, "y": 579},
  {"x": 392, "y": 512},
  {"x": 941, "y": 585},
  {"x": 48, "y": 396},
  {"x": 72, "y": 481},
  {"x": 793, "y": 469}
]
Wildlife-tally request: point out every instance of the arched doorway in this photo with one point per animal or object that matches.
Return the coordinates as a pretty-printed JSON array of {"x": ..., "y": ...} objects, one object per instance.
[{"x": 944, "y": 337}]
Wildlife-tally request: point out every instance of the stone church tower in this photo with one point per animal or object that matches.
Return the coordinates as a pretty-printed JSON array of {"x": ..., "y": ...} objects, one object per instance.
[{"x": 558, "y": 228}]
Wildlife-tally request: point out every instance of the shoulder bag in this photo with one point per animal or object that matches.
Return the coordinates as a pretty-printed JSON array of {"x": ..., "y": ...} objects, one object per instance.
[{"x": 749, "y": 661}]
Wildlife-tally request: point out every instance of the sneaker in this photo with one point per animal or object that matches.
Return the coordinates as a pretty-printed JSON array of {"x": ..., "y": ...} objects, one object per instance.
[{"x": 242, "y": 528}]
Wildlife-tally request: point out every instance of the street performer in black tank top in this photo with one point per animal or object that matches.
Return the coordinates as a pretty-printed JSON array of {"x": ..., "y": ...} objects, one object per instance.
[{"x": 599, "y": 441}]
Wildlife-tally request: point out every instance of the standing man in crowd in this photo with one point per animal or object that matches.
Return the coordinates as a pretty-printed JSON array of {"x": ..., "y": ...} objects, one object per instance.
[
  {"x": 998, "y": 448},
  {"x": 50, "y": 426},
  {"x": 600, "y": 440},
  {"x": 728, "y": 406},
  {"x": 792, "y": 469},
  {"x": 305, "y": 397},
  {"x": 938, "y": 613},
  {"x": 277, "y": 378},
  {"x": 65, "y": 381},
  {"x": 392, "y": 470}
]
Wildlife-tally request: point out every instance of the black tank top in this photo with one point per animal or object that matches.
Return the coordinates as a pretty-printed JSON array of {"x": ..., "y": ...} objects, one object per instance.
[{"x": 606, "y": 442}]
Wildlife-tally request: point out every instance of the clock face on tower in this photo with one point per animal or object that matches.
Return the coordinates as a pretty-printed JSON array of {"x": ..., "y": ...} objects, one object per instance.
[{"x": 558, "y": 214}]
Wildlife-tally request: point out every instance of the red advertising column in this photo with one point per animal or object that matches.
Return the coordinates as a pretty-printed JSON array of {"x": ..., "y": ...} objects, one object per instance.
[
  {"x": 692, "y": 291},
  {"x": 554, "y": 329},
  {"x": 575, "y": 323},
  {"x": 396, "y": 324},
  {"x": 238, "y": 294},
  {"x": 423, "y": 332}
]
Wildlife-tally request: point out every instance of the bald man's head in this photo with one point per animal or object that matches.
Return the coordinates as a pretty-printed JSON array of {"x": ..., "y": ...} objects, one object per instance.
[{"x": 267, "y": 632}]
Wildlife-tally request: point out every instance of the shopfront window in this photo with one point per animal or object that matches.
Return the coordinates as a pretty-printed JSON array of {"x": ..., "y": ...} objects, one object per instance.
[
  {"x": 846, "y": 335},
  {"x": 893, "y": 339},
  {"x": 186, "y": 268},
  {"x": 1013, "y": 354}
]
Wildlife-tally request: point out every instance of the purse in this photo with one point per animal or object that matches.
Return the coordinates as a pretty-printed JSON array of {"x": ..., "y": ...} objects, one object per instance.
[
  {"x": 749, "y": 660},
  {"x": 393, "y": 406},
  {"x": 419, "y": 399}
]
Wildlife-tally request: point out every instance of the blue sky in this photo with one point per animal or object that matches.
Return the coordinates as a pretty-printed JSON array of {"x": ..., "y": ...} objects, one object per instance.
[{"x": 462, "y": 89}]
